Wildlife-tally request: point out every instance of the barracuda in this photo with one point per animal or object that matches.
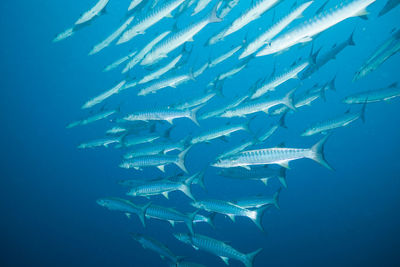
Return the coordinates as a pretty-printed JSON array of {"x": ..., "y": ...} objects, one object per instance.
[
  {"x": 224, "y": 57},
  {"x": 93, "y": 12},
  {"x": 158, "y": 73},
  {"x": 196, "y": 101},
  {"x": 219, "y": 133},
  {"x": 258, "y": 201},
  {"x": 99, "y": 116},
  {"x": 278, "y": 155},
  {"x": 221, "y": 110},
  {"x": 119, "y": 61},
  {"x": 158, "y": 161},
  {"x": 174, "y": 41},
  {"x": 280, "y": 79},
  {"x": 100, "y": 98},
  {"x": 319, "y": 23},
  {"x": 279, "y": 26},
  {"x": 125, "y": 206},
  {"x": 372, "y": 96},
  {"x": 201, "y": 4},
  {"x": 154, "y": 149},
  {"x": 149, "y": 19},
  {"x": 218, "y": 248},
  {"x": 169, "y": 82}
]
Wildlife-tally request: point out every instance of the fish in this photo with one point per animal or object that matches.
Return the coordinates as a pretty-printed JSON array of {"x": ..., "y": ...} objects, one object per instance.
[
  {"x": 277, "y": 155},
  {"x": 230, "y": 4},
  {"x": 274, "y": 30},
  {"x": 100, "y": 98},
  {"x": 260, "y": 138},
  {"x": 237, "y": 149},
  {"x": 99, "y": 116},
  {"x": 390, "y": 4},
  {"x": 139, "y": 56},
  {"x": 304, "y": 32},
  {"x": 202, "y": 100},
  {"x": 259, "y": 173},
  {"x": 100, "y": 142},
  {"x": 158, "y": 161},
  {"x": 232, "y": 72},
  {"x": 156, "y": 246},
  {"x": 328, "y": 125},
  {"x": 119, "y": 61},
  {"x": 125, "y": 206},
  {"x": 170, "y": 215},
  {"x": 154, "y": 149},
  {"x": 318, "y": 62},
  {"x": 158, "y": 73},
  {"x": 134, "y": 4},
  {"x": 231, "y": 210},
  {"x": 128, "y": 141},
  {"x": 277, "y": 80},
  {"x": 200, "y": 70},
  {"x": 219, "y": 132},
  {"x": 95, "y": 11},
  {"x": 218, "y": 248},
  {"x": 173, "y": 82},
  {"x": 198, "y": 178},
  {"x": 389, "y": 48},
  {"x": 163, "y": 187},
  {"x": 148, "y": 19},
  {"x": 177, "y": 39},
  {"x": 256, "y": 202},
  {"x": 164, "y": 115},
  {"x": 64, "y": 35},
  {"x": 383, "y": 94},
  {"x": 97, "y": 48},
  {"x": 221, "y": 110},
  {"x": 255, "y": 106},
  {"x": 253, "y": 13},
  {"x": 201, "y": 4},
  {"x": 224, "y": 57},
  {"x": 187, "y": 264}
]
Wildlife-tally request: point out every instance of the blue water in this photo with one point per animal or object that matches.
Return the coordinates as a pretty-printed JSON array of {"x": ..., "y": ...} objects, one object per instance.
[{"x": 49, "y": 217}]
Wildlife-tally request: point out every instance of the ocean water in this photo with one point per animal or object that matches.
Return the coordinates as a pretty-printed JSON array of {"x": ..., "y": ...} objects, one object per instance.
[{"x": 49, "y": 187}]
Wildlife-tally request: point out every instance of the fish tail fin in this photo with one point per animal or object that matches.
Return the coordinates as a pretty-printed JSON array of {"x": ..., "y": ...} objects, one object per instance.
[
  {"x": 332, "y": 84},
  {"x": 249, "y": 259},
  {"x": 288, "y": 99},
  {"x": 200, "y": 179},
  {"x": 185, "y": 188},
  {"x": 276, "y": 198},
  {"x": 282, "y": 121},
  {"x": 193, "y": 114},
  {"x": 318, "y": 153},
  {"x": 350, "y": 41},
  {"x": 189, "y": 221},
  {"x": 142, "y": 214},
  {"x": 210, "y": 220},
  {"x": 213, "y": 15},
  {"x": 181, "y": 160},
  {"x": 282, "y": 177},
  {"x": 257, "y": 216}
]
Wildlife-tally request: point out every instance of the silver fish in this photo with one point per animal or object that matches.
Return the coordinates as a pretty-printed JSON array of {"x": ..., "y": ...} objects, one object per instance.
[
  {"x": 169, "y": 82},
  {"x": 99, "y": 116},
  {"x": 220, "y": 132},
  {"x": 221, "y": 110},
  {"x": 100, "y": 142},
  {"x": 154, "y": 149},
  {"x": 100, "y": 98},
  {"x": 158, "y": 73},
  {"x": 372, "y": 96},
  {"x": 93, "y": 12},
  {"x": 156, "y": 246},
  {"x": 224, "y": 57},
  {"x": 258, "y": 201},
  {"x": 119, "y": 61}
]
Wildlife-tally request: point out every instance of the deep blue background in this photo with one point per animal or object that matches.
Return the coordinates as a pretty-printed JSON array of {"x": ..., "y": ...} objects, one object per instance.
[{"x": 48, "y": 187}]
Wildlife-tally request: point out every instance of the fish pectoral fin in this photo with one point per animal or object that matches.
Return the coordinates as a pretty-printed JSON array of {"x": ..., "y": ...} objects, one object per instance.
[
  {"x": 172, "y": 223},
  {"x": 246, "y": 167},
  {"x": 284, "y": 164},
  {"x": 169, "y": 121},
  {"x": 232, "y": 217},
  {"x": 161, "y": 168},
  {"x": 165, "y": 194},
  {"x": 225, "y": 259}
]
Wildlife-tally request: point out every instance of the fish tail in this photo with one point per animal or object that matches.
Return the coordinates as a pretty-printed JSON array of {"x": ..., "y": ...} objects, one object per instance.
[
  {"x": 210, "y": 220},
  {"x": 193, "y": 114},
  {"x": 257, "y": 217},
  {"x": 288, "y": 99},
  {"x": 282, "y": 121},
  {"x": 189, "y": 221},
  {"x": 142, "y": 214},
  {"x": 249, "y": 258},
  {"x": 282, "y": 177},
  {"x": 332, "y": 84},
  {"x": 276, "y": 198},
  {"x": 350, "y": 41},
  {"x": 185, "y": 188},
  {"x": 200, "y": 179},
  {"x": 362, "y": 112},
  {"x": 318, "y": 153},
  {"x": 213, "y": 15},
  {"x": 181, "y": 160}
]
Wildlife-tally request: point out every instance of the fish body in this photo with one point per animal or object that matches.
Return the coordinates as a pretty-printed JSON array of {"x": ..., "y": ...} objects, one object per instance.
[
  {"x": 279, "y": 26},
  {"x": 256, "y": 202},
  {"x": 105, "y": 142},
  {"x": 93, "y": 12},
  {"x": 262, "y": 174},
  {"x": 128, "y": 141},
  {"x": 177, "y": 39},
  {"x": 123, "y": 205},
  {"x": 231, "y": 72},
  {"x": 149, "y": 19},
  {"x": 224, "y": 57},
  {"x": 133, "y": 4},
  {"x": 99, "y": 116},
  {"x": 158, "y": 161},
  {"x": 196, "y": 101},
  {"x": 139, "y": 56},
  {"x": 169, "y": 82},
  {"x": 154, "y": 149},
  {"x": 221, "y": 110},
  {"x": 64, "y": 35},
  {"x": 253, "y": 13},
  {"x": 237, "y": 149},
  {"x": 97, "y": 48},
  {"x": 226, "y": 130},
  {"x": 119, "y": 61},
  {"x": 158, "y": 73},
  {"x": 319, "y": 23},
  {"x": 279, "y": 79},
  {"x": 201, "y": 4},
  {"x": 100, "y": 98},
  {"x": 218, "y": 248},
  {"x": 259, "y": 105},
  {"x": 277, "y": 155},
  {"x": 200, "y": 70},
  {"x": 156, "y": 246},
  {"x": 372, "y": 96}
]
